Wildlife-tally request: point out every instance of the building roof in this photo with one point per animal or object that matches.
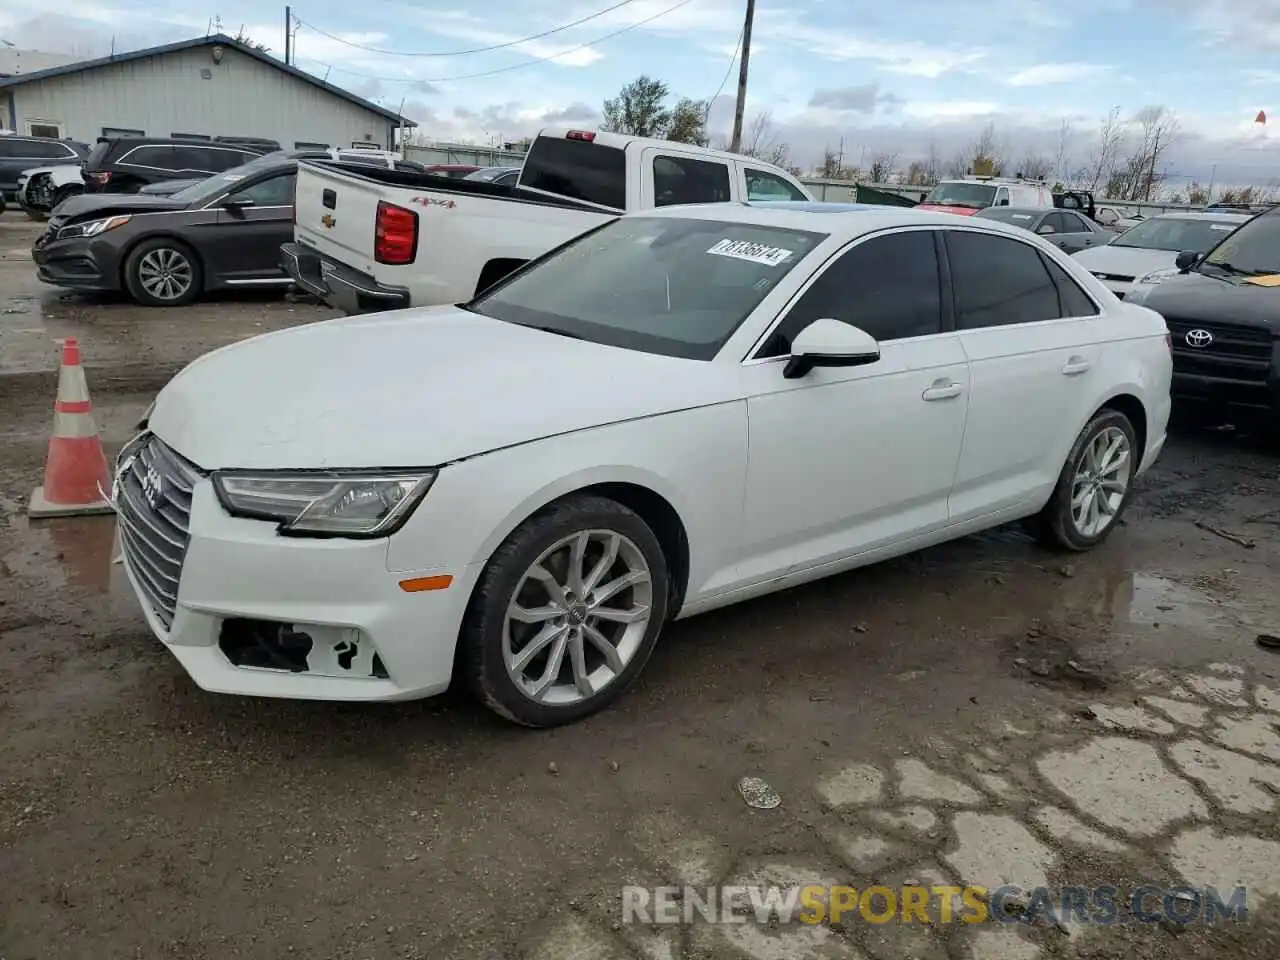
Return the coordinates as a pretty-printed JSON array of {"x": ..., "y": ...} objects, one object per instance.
[{"x": 209, "y": 41}]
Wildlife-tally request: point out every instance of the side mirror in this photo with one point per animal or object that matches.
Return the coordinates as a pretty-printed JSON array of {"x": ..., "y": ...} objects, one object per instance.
[
  {"x": 1187, "y": 259},
  {"x": 235, "y": 204},
  {"x": 1045, "y": 228},
  {"x": 1002, "y": 202},
  {"x": 830, "y": 343}
]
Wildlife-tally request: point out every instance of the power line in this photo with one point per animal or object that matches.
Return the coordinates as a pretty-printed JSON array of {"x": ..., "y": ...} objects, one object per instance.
[
  {"x": 516, "y": 66},
  {"x": 460, "y": 53},
  {"x": 728, "y": 70}
]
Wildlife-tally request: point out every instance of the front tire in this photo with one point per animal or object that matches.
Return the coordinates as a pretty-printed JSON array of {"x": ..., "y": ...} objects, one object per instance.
[
  {"x": 1094, "y": 487},
  {"x": 566, "y": 613},
  {"x": 163, "y": 273}
]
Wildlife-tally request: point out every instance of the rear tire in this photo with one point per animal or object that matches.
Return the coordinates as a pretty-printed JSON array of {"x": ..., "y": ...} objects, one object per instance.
[
  {"x": 549, "y": 636},
  {"x": 1094, "y": 487},
  {"x": 163, "y": 273}
]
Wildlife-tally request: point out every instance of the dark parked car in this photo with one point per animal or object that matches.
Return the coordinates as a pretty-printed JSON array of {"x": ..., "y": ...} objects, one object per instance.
[
  {"x": 166, "y": 188},
  {"x": 24, "y": 153},
  {"x": 1068, "y": 229},
  {"x": 502, "y": 176},
  {"x": 221, "y": 233},
  {"x": 454, "y": 170},
  {"x": 1224, "y": 319},
  {"x": 126, "y": 164}
]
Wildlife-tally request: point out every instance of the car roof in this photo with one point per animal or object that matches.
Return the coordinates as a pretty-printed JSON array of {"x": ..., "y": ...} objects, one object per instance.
[
  {"x": 837, "y": 219},
  {"x": 1228, "y": 216}
]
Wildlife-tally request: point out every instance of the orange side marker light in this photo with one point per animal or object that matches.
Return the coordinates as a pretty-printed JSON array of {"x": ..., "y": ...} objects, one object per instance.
[{"x": 440, "y": 581}]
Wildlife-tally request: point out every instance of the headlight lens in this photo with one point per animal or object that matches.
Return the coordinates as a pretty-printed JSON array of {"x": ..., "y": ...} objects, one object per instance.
[
  {"x": 326, "y": 503},
  {"x": 93, "y": 227}
]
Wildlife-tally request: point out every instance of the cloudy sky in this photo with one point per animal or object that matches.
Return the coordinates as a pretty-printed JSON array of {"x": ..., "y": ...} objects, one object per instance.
[{"x": 883, "y": 78}]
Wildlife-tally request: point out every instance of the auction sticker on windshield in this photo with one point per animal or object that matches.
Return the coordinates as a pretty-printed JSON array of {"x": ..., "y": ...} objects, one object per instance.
[
  {"x": 751, "y": 252},
  {"x": 1226, "y": 227}
]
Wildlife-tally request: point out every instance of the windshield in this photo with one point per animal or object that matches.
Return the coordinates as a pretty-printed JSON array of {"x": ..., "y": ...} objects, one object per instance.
[
  {"x": 1175, "y": 234},
  {"x": 210, "y": 187},
  {"x": 962, "y": 193},
  {"x": 666, "y": 285},
  {"x": 1254, "y": 248}
]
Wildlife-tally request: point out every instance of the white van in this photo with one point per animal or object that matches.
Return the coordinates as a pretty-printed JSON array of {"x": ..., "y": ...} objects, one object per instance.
[{"x": 968, "y": 196}]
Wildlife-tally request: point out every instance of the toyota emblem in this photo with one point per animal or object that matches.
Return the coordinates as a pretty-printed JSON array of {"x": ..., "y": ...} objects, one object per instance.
[{"x": 1199, "y": 338}]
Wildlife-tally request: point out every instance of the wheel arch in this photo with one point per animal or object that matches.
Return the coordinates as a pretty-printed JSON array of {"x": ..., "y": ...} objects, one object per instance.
[
  {"x": 1132, "y": 407},
  {"x": 642, "y": 494}
]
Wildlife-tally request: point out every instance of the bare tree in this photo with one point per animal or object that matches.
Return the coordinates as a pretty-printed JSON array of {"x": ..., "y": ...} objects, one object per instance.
[
  {"x": 830, "y": 168},
  {"x": 1102, "y": 162},
  {"x": 1062, "y": 158},
  {"x": 984, "y": 155},
  {"x": 917, "y": 174},
  {"x": 882, "y": 166},
  {"x": 761, "y": 141},
  {"x": 932, "y": 164},
  {"x": 958, "y": 165},
  {"x": 1034, "y": 166}
]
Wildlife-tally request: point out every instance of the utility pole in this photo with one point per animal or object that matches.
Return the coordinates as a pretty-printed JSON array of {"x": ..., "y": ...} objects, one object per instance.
[
  {"x": 288, "y": 35},
  {"x": 1151, "y": 177},
  {"x": 736, "y": 143}
]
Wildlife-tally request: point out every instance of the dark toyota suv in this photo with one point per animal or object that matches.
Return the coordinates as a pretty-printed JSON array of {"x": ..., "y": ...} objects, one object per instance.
[
  {"x": 127, "y": 164},
  {"x": 1223, "y": 312}
]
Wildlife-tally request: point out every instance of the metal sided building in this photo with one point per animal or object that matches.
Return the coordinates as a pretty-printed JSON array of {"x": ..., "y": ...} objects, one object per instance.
[{"x": 208, "y": 87}]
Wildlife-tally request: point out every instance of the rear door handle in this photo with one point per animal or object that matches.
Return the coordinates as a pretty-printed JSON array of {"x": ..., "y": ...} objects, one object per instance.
[
  {"x": 943, "y": 390},
  {"x": 1076, "y": 366}
]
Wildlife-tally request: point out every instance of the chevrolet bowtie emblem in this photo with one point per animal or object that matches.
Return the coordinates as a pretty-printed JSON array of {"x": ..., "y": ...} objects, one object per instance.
[{"x": 328, "y": 220}]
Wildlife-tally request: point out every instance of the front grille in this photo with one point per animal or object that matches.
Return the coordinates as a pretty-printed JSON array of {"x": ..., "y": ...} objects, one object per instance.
[
  {"x": 1236, "y": 352},
  {"x": 153, "y": 503}
]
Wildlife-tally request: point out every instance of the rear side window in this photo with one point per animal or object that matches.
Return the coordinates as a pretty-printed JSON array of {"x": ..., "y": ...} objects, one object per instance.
[
  {"x": 33, "y": 149},
  {"x": 577, "y": 169},
  {"x": 1074, "y": 301},
  {"x": 998, "y": 281},
  {"x": 684, "y": 180},
  {"x": 157, "y": 157}
]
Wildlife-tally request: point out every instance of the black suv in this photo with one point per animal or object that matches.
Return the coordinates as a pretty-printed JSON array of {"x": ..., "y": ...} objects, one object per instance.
[
  {"x": 1223, "y": 312},
  {"x": 22, "y": 153},
  {"x": 127, "y": 164}
]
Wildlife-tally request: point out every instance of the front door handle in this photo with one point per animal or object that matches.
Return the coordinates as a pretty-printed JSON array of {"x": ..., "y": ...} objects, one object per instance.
[
  {"x": 943, "y": 390},
  {"x": 1076, "y": 366}
]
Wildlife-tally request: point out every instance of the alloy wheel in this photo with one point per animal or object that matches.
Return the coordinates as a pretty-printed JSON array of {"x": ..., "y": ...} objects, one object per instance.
[
  {"x": 165, "y": 273},
  {"x": 577, "y": 617},
  {"x": 1101, "y": 481}
]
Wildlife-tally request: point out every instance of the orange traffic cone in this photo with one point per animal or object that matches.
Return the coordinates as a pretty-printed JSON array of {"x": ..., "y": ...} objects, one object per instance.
[{"x": 75, "y": 473}]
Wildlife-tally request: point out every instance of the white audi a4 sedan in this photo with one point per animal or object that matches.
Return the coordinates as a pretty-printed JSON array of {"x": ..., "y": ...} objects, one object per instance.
[{"x": 674, "y": 412}]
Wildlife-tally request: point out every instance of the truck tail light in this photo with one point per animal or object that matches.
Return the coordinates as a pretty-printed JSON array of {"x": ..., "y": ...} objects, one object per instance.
[
  {"x": 395, "y": 235},
  {"x": 102, "y": 177},
  {"x": 587, "y": 136}
]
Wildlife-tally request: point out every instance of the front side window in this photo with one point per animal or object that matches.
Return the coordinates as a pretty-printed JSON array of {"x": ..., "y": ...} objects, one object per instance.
[
  {"x": 887, "y": 286},
  {"x": 674, "y": 286},
  {"x": 998, "y": 281},
  {"x": 273, "y": 192},
  {"x": 683, "y": 180},
  {"x": 763, "y": 185}
]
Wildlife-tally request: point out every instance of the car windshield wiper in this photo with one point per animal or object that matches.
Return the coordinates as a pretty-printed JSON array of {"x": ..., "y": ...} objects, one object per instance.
[{"x": 1226, "y": 267}]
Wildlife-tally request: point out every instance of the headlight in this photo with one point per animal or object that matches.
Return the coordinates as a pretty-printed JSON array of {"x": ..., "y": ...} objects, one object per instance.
[
  {"x": 333, "y": 503},
  {"x": 93, "y": 227}
]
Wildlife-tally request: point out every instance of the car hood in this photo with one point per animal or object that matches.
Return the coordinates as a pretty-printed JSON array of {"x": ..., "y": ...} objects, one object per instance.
[
  {"x": 91, "y": 205},
  {"x": 1125, "y": 261},
  {"x": 409, "y": 388},
  {"x": 1202, "y": 298}
]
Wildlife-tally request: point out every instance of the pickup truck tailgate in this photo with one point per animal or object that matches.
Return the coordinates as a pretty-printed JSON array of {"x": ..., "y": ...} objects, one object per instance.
[{"x": 334, "y": 215}]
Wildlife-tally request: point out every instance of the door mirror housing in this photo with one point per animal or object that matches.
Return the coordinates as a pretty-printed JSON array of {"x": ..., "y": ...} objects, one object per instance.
[
  {"x": 830, "y": 343},
  {"x": 1187, "y": 259},
  {"x": 1045, "y": 228},
  {"x": 237, "y": 203}
]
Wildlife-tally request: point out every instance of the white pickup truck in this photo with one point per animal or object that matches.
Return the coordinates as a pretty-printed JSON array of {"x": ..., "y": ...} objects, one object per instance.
[{"x": 385, "y": 239}]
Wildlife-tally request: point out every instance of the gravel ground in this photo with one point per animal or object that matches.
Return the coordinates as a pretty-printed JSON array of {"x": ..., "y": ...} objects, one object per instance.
[{"x": 981, "y": 712}]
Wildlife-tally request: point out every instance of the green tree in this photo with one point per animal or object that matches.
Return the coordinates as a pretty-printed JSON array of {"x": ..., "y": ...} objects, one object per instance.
[
  {"x": 639, "y": 109},
  {"x": 688, "y": 123}
]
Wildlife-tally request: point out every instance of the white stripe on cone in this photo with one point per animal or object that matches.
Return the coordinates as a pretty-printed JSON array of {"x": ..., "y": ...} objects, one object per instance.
[
  {"x": 73, "y": 426},
  {"x": 71, "y": 385}
]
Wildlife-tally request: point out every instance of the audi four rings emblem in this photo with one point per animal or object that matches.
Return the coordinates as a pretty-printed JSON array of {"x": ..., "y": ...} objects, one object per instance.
[{"x": 1199, "y": 338}]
